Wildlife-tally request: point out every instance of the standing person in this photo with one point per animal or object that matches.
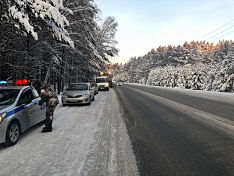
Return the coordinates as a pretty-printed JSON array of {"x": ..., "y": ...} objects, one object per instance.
[{"x": 50, "y": 98}]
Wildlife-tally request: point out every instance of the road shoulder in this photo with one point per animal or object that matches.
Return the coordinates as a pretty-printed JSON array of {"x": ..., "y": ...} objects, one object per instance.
[{"x": 111, "y": 153}]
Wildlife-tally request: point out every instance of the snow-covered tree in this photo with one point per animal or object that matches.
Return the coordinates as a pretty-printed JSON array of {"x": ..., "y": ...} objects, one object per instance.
[
  {"x": 32, "y": 16},
  {"x": 51, "y": 40},
  {"x": 105, "y": 40},
  {"x": 195, "y": 65}
]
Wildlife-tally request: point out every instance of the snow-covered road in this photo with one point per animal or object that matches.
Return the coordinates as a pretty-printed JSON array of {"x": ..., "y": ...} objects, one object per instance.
[{"x": 86, "y": 140}]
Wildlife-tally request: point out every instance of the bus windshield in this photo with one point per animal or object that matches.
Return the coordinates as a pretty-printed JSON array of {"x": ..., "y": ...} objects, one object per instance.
[{"x": 101, "y": 80}]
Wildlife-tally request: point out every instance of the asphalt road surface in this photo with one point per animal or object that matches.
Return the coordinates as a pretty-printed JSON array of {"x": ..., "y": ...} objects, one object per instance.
[{"x": 173, "y": 133}]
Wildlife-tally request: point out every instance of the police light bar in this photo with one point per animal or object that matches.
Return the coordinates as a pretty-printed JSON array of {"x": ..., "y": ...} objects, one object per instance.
[
  {"x": 22, "y": 82},
  {"x": 4, "y": 83}
]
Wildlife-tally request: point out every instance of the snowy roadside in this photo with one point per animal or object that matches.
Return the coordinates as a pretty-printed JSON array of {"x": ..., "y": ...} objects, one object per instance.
[
  {"x": 217, "y": 96},
  {"x": 79, "y": 132},
  {"x": 112, "y": 153}
]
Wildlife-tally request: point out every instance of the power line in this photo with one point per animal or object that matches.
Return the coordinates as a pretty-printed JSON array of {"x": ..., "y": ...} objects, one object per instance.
[
  {"x": 223, "y": 35},
  {"x": 208, "y": 34},
  {"x": 220, "y": 32}
]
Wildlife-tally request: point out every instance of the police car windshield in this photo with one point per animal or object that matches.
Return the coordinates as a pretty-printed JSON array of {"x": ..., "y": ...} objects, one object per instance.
[
  {"x": 8, "y": 96},
  {"x": 74, "y": 87},
  {"x": 101, "y": 80}
]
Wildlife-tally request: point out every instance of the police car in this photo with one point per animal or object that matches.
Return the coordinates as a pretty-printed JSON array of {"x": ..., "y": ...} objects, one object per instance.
[{"x": 19, "y": 110}]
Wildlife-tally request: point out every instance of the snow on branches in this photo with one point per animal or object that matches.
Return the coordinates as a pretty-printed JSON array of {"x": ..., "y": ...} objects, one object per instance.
[
  {"x": 195, "y": 65},
  {"x": 26, "y": 13}
]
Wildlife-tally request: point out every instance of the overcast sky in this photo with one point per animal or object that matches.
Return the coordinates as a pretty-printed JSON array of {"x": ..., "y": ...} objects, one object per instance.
[{"x": 147, "y": 24}]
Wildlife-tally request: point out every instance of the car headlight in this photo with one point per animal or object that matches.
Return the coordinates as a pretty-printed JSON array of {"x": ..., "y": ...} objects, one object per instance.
[
  {"x": 85, "y": 95},
  {"x": 2, "y": 116}
]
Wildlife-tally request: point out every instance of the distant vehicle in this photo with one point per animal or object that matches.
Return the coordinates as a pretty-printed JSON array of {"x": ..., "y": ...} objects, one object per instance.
[
  {"x": 108, "y": 76},
  {"x": 95, "y": 87},
  {"x": 118, "y": 83},
  {"x": 102, "y": 83},
  {"x": 114, "y": 83},
  {"x": 78, "y": 93},
  {"x": 19, "y": 110}
]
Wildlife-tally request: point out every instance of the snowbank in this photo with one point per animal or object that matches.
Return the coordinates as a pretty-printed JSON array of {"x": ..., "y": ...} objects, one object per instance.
[{"x": 218, "y": 96}]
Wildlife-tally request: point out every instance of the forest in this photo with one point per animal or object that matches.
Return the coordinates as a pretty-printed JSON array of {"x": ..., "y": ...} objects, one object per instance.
[
  {"x": 56, "y": 41},
  {"x": 196, "y": 65}
]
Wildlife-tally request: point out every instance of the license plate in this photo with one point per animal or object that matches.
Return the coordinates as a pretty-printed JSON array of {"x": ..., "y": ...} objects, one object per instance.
[{"x": 74, "y": 100}]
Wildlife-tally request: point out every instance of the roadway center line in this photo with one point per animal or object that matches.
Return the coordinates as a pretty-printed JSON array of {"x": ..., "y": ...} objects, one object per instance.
[{"x": 212, "y": 119}]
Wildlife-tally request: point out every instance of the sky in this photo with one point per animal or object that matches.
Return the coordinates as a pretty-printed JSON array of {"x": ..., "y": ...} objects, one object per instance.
[{"x": 147, "y": 24}]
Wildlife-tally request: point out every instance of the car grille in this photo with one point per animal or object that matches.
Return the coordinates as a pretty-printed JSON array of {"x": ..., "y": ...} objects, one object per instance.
[
  {"x": 76, "y": 96},
  {"x": 102, "y": 86}
]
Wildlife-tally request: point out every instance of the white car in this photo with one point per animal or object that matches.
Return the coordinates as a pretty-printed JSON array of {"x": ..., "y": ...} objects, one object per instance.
[
  {"x": 102, "y": 83},
  {"x": 78, "y": 93},
  {"x": 95, "y": 87},
  {"x": 118, "y": 83}
]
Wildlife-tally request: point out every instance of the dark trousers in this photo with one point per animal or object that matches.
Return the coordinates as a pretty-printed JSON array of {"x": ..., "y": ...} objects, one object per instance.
[{"x": 49, "y": 115}]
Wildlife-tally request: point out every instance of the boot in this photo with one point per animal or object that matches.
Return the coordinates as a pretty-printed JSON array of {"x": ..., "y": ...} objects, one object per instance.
[
  {"x": 47, "y": 129},
  {"x": 46, "y": 126}
]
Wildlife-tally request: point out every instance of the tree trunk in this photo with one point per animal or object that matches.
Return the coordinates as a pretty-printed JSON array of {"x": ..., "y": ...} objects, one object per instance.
[{"x": 47, "y": 75}]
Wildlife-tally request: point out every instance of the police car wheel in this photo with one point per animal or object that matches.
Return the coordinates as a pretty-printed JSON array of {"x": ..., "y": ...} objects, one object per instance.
[{"x": 13, "y": 133}]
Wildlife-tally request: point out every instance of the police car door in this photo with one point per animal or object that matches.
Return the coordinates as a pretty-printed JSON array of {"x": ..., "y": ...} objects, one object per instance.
[
  {"x": 39, "y": 112},
  {"x": 25, "y": 102}
]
